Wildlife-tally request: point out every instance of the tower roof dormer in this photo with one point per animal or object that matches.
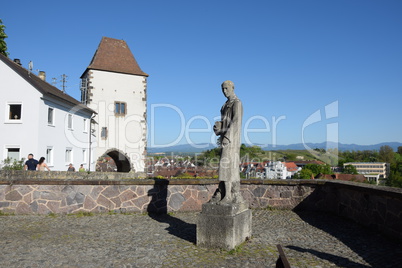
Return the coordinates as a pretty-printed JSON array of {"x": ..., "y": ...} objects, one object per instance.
[{"x": 114, "y": 55}]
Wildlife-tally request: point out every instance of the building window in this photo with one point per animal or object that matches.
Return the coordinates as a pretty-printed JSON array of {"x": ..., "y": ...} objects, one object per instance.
[
  {"x": 84, "y": 156},
  {"x": 49, "y": 155},
  {"x": 13, "y": 154},
  {"x": 84, "y": 91},
  {"x": 50, "y": 116},
  {"x": 14, "y": 111},
  {"x": 70, "y": 121},
  {"x": 85, "y": 125},
  {"x": 104, "y": 133},
  {"x": 120, "y": 108},
  {"x": 69, "y": 155}
]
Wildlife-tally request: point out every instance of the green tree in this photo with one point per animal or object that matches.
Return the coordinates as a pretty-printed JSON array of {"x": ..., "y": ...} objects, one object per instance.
[
  {"x": 395, "y": 179},
  {"x": 250, "y": 153},
  {"x": 290, "y": 157},
  {"x": 317, "y": 169},
  {"x": 320, "y": 150},
  {"x": 350, "y": 169},
  {"x": 3, "y": 36},
  {"x": 386, "y": 154},
  {"x": 304, "y": 174},
  {"x": 399, "y": 150}
]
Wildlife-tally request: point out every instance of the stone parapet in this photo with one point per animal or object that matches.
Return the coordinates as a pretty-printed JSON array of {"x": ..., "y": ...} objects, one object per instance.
[{"x": 377, "y": 207}]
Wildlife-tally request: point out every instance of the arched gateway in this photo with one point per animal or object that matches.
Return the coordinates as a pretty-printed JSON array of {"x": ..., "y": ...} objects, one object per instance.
[{"x": 121, "y": 160}]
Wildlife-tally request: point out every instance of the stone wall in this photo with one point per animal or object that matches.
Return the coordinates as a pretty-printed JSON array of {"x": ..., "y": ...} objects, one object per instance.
[
  {"x": 147, "y": 196},
  {"x": 376, "y": 207},
  {"x": 38, "y": 192},
  {"x": 72, "y": 198}
]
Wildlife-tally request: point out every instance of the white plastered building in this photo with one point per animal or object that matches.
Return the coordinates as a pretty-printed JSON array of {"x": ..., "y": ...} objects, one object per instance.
[
  {"x": 38, "y": 118},
  {"x": 115, "y": 87}
]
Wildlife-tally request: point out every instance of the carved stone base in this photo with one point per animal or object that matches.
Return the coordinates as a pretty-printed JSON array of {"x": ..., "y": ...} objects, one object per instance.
[{"x": 223, "y": 226}]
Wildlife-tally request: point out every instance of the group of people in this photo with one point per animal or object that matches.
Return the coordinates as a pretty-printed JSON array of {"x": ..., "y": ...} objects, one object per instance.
[{"x": 33, "y": 164}]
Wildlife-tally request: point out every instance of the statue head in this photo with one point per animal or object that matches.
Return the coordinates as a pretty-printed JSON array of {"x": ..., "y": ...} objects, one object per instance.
[{"x": 228, "y": 88}]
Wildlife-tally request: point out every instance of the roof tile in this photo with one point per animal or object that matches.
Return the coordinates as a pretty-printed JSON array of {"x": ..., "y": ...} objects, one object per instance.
[{"x": 114, "y": 55}]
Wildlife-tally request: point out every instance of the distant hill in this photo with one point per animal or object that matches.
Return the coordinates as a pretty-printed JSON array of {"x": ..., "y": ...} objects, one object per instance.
[
  {"x": 182, "y": 148},
  {"x": 341, "y": 146},
  {"x": 198, "y": 148}
]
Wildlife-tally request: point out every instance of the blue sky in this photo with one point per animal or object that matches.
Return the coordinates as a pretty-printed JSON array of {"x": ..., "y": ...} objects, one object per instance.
[{"x": 288, "y": 60}]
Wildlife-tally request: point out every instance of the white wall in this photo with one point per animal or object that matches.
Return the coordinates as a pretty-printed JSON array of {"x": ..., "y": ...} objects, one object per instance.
[
  {"x": 32, "y": 134},
  {"x": 126, "y": 133},
  {"x": 24, "y": 133},
  {"x": 59, "y": 137}
]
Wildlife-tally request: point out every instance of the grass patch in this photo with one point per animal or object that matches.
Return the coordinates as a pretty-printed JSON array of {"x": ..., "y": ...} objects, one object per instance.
[
  {"x": 66, "y": 236},
  {"x": 112, "y": 212},
  {"x": 81, "y": 214},
  {"x": 236, "y": 250},
  {"x": 240, "y": 248},
  {"x": 36, "y": 236},
  {"x": 2, "y": 213}
]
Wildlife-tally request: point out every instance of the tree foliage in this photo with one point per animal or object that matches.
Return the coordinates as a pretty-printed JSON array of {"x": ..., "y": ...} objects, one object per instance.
[
  {"x": 357, "y": 156},
  {"x": 350, "y": 169},
  {"x": 290, "y": 157},
  {"x": 386, "y": 154},
  {"x": 318, "y": 169},
  {"x": 246, "y": 152},
  {"x": 304, "y": 174},
  {"x": 395, "y": 179},
  {"x": 13, "y": 164},
  {"x": 395, "y": 176},
  {"x": 3, "y": 36},
  {"x": 250, "y": 151}
]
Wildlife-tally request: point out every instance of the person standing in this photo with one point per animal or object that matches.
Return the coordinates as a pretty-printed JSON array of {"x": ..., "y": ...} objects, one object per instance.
[
  {"x": 81, "y": 169},
  {"x": 71, "y": 167},
  {"x": 31, "y": 163},
  {"x": 42, "y": 165}
]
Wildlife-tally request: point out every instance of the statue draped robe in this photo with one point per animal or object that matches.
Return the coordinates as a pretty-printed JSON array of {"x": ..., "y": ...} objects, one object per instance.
[{"x": 231, "y": 119}]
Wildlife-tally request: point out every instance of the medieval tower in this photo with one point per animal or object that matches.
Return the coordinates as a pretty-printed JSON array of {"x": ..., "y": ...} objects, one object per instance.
[{"x": 115, "y": 87}]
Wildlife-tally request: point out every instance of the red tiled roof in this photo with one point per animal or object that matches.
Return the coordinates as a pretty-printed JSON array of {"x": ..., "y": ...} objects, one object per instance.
[
  {"x": 114, "y": 55},
  {"x": 290, "y": 166}
]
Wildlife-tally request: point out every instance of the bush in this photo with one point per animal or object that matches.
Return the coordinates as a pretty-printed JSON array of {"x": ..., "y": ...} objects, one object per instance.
[
  {"x": 394, "y": 180},
  {"x": 304, "y": 174},
  {"x": 13, "y": 164}
]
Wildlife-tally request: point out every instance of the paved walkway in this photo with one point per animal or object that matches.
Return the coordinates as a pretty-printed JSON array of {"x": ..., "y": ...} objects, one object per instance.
[{"x": 138, "y": 240}]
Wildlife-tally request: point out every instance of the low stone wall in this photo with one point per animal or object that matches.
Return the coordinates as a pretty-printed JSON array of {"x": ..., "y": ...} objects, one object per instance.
[
  {"x": 72, "y": 198},
  {"x": 19, "y": 175},
  {"x": 39, "y": 192},
  {"x": 376, "y": 207}
]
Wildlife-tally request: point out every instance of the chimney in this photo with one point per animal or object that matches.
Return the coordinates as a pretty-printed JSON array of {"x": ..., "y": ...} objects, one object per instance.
[
  {"x": 17, "y": 61},
  {"x": 42, "y": 75}
]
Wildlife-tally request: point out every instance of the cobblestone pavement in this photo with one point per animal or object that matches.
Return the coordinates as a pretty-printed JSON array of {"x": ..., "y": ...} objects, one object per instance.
[{"x": 137, "y": 240}]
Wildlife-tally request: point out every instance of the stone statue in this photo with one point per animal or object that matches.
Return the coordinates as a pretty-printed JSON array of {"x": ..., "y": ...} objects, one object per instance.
[
  {"x": 229, "y": 132},
  {"x": 226, "y": 220}
]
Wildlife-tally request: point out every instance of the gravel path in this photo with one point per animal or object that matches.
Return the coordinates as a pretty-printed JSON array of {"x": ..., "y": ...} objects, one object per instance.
[{"x": 138, "y": 240}]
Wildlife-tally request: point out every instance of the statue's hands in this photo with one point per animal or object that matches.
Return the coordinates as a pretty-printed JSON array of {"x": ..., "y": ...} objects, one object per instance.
[
  {"x": 217, "y": 128},
  {"x": 225, "y": 141}
]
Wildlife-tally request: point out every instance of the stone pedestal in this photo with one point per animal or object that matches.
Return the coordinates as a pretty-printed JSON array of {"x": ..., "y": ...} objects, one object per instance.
[{"x": 223, "y": 226}]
